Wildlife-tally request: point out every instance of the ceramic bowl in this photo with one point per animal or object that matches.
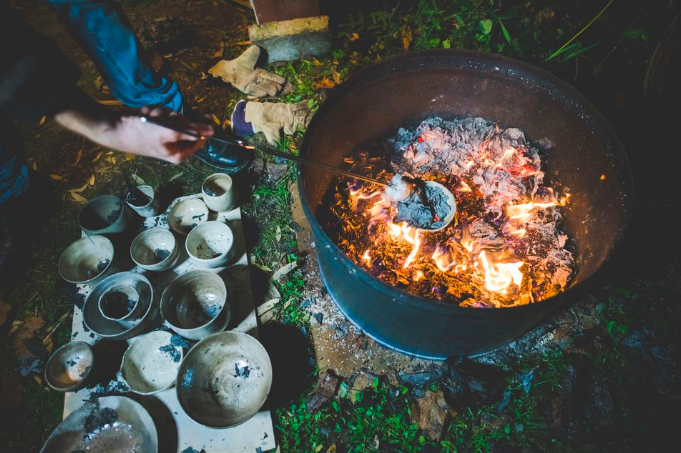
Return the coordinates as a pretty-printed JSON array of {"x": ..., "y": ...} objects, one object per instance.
[
  {"x": 142, "y": 200},
  {"x": 155, "y": 249},
  {"x": 150, "y": 364},
  {"x": 224, "y": 379},
  {"x": 108, "y": 424},
  {"x": 105, "y": 214},
  {"x": 211, "y": 244},
  {"x": 117, "y": 329},
  {"x": 121, "y": 303},
  {"x": 69, "y": 367},
  {"x": 195, "y": 304},
  {"x": 218, "y": 192},
  {"x": 87, "y": 260},
  {"x": 187, "y": 214}
]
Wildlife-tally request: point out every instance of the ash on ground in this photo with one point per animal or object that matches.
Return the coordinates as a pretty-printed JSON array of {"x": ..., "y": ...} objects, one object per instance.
[{"x": 505, "y": 247}]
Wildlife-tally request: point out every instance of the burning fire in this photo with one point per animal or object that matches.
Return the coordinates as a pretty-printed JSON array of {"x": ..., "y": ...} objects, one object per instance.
[{"x": 493, "y": 255}]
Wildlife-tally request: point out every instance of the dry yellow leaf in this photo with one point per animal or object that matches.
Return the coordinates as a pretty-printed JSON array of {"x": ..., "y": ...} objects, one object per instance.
[
  {"x": 58, "y": 178},
  {"x": 335, "y": 75},
  {"x": 353, "y": 37},
  {"x": 92, "y": 180},
  {"x": 42, "y": 120},
  {"x": 220, "y": 51},
  {"x": 216, "y": 120},
  {"x": 78, "y": 197},
  {"x": 324, "y": 83},
  {"x": 109, "y": 102},
  {"x": 79, "y": 156},
  {"x": 405, "y": 33},
  {"x": 316, "y": 62},
  {"x": 78, "y": 190},
  {"x": 34, "y": 166},
  {"x": 97, "y": 157}
]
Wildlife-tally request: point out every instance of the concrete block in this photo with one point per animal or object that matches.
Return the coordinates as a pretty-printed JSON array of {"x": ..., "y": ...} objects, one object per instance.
[{"x": 290, "y": 40}]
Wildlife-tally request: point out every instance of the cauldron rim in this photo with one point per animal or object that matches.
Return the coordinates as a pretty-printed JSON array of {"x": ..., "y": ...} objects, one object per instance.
[{"x": 492, "y": 62}]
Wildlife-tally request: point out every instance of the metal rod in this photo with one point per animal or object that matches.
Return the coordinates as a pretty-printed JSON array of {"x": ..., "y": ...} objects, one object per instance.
[{"x": 237, "y": 141}]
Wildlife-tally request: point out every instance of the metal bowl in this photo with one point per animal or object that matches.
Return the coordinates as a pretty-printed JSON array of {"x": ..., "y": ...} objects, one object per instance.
[
  {"x": 120, "y": 330},
  {"x": 224, "y": 380},
  {"x": 195, "y": 304},
  {"x": 150, "y": 364},
  {"x": 450, "y": 201},
  {"x": 109, "y": 424},
  {"x": 68, "y": 368},
  {"x": 87, "y": 260},
  {"x": 155, "y": 249},
  {"x": 105, "y": 214},
  {"x": 187, "y": 214},
  {"x": 210, "y": 244}
]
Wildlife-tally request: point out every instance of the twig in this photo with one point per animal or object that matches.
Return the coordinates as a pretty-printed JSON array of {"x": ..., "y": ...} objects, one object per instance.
[{"x": 469, "y": 14}]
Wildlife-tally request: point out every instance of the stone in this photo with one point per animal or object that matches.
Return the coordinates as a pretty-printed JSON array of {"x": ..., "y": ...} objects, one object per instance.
[
  {"x": 420, "y": 379},
  {"x": 325, "y": 390},
  {"x": 289, "y": 40},
  {"x": 276, "y": 171},
  {"x": 432, "y": 414}
]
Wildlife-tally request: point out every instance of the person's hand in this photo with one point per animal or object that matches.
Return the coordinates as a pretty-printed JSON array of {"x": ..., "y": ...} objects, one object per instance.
[
  {"x": 241, "y": 73},
  {"x": 131, "y": 135},
  {"x": 270, "y": 118}
]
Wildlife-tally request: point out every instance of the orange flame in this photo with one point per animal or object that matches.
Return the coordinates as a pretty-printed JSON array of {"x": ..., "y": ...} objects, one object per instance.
[{"x": 499, "y": 276}]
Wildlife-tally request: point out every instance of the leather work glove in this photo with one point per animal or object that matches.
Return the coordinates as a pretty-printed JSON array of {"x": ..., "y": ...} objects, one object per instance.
[
  {"x": 241, "y": 73},
  {"x": 270, "y": 118}
]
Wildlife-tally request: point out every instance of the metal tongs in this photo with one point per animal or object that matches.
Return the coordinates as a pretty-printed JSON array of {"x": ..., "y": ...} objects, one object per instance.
[{"x": 233, "y": 140}]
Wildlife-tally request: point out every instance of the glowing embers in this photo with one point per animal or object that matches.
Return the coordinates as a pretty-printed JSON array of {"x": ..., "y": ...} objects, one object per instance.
[{"x": 505, "y": 247}]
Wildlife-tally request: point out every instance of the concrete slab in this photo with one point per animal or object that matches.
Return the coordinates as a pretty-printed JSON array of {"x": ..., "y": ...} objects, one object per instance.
[{"x": 293, "y": 39}]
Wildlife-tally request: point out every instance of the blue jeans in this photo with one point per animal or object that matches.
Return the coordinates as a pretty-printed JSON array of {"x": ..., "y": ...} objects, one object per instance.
[{"x": 105, "y": 34}]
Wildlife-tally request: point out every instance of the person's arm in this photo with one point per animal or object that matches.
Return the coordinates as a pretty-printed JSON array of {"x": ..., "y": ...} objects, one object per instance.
[
  {"x": 37, "y": 79},
  {"x": 128, "y": 134}
]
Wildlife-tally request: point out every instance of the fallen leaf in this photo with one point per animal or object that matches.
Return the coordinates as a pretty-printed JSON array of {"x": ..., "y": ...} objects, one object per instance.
[
  {"x": 316, "y": 62},
  {"x": 38, "y": 379},
  {"x": 5, "y": 308},
  {"x": 15, "y": 325},
  {"x": 220, "y": 51},
  {"x": 200, "y": 100},
  {"x": 26, "y": 331},
  {"x": 405, "y": 33},
  {"x": 79, "y": 156},
  {"x": 331, "y": 449},
  {"x": 262, "y": 267},
  {"x": 78, "y": 197},
  {"x": 97, "y": 157},
  {"x": 137, "y": 180},
  {"x": 78, "y": 190},
  {"x": 282, "y": 271},
  {"x": 277, "y": 234},
  {"x": 216, "y": 120},
  {"x": 227, "y": 124},
  {"x": 353, "y": 37},
  {"x": 34, "y": 166},
  {"x": 58, "y": 178},
  {"x": 109, "y": 102},
  {"x": 42, "y": 120},
  {"x": 92, "y": 180},
  {"x": 335, "y": 75},
  {"x": 324, "y": 83}
]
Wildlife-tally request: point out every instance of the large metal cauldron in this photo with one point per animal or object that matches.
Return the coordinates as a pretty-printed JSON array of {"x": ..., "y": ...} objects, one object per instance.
[{"x": 581, "y": 153}]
